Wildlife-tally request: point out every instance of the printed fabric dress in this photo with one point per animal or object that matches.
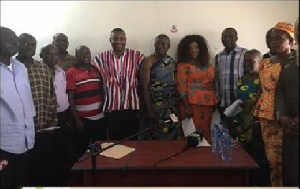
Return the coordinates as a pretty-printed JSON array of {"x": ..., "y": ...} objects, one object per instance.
[
  {"x": 197, "y": 85},
  {"x": 265, "y": 110},
  {"x": 246, "y": 91},
  {"x": 164, "y": 97}
]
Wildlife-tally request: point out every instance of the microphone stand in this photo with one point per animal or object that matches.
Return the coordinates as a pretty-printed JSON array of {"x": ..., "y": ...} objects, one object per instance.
[{"x": 96, "y": 150}]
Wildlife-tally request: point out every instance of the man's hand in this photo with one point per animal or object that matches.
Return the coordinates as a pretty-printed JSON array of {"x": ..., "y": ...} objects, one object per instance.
[
  {"x": 290, "y": 125},
  {"x": 78, "y": 124}
]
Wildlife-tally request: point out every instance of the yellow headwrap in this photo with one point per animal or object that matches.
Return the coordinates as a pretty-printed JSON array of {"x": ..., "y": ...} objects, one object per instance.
[{"x": 287, "y": 27}]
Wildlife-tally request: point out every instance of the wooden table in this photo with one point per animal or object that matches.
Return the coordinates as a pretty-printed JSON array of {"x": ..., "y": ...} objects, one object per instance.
[{"x": 194, "y": 167}]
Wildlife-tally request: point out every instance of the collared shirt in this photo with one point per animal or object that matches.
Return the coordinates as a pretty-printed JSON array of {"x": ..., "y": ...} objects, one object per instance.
[
  {"x": 60, "y": 85},
  {"x": 17, "y": 109},
  {"x": 229, "y": 68},
  {"x": 43, "y": 93},
  {"x": 119, "y": 79},
  {"x": 67, "y": 62},
  {"x": 88, "y": 93}
]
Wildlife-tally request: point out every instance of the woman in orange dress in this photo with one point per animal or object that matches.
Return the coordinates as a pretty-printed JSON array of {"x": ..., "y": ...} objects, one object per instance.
[
  {"x": 270, "y": 68},
  {"x": 195, "y": 83}
]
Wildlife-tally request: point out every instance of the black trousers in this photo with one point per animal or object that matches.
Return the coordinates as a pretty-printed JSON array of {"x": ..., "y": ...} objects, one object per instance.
[
  {"x": 122, "y": 124},
  {"x": 93, "y": 130},
  {"x": 14, "y": 174},
  {"x": 290, "y": 160},
  {"x": 51, "y": 159}
]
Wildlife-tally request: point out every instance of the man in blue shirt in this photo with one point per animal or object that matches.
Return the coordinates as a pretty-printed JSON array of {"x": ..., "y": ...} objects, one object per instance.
[
  {"x": 229, "y": 67},
  {"x": 17, "y": 112}
]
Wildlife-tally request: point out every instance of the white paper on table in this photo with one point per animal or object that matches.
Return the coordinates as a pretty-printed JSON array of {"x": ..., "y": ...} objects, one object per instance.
[
  {"x": 188, "y": 126},
  {"x": 203, "y": 143},
  {"x": 234, "y": 108},
  {"x": 116, "y": 152}
]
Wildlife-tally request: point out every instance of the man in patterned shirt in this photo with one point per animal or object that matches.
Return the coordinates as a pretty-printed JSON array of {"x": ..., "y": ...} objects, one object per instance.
[
  {"x": 44, "y": 98},
  {"x": 119, "y": 69},
  {"x": 229, "y": 66},
  {"x": 41, "y": 83}
]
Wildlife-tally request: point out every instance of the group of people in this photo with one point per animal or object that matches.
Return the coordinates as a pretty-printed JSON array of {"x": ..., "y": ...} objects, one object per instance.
[{"x": 53, "y": 109}]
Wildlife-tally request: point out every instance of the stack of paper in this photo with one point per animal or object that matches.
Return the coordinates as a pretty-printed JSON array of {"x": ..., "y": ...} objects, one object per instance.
[{"x": 116, "y": 152}]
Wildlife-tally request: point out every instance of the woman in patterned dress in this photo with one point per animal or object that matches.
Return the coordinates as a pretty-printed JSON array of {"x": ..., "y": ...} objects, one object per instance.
[
  {"x": 195, "y": 83},
  {"x": 270, "y": 68}
]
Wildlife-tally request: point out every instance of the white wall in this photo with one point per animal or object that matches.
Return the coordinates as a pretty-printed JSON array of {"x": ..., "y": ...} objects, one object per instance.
[{"x": 90, "y": 22}]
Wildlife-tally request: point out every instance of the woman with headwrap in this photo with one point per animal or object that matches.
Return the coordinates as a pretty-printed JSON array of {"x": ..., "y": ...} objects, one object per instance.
[
  {"x": 287, "y": 109},
  {"x": 282, "y": 38}
]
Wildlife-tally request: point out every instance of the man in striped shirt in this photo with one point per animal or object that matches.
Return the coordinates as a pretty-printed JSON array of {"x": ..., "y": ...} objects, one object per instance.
[
  {"x": 229, "y": 66},
  {"x": 85, "y": 95},
  {"x": 119, "y": 67}
]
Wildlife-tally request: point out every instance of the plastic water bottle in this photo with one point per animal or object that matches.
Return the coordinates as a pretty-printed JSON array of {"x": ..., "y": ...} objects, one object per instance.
[
  {"x": 221, "y": 125},
  {"x": 220, "y": 132},
  {"x": 215, "y": 147},
  {"x": 226, "y": 146}
]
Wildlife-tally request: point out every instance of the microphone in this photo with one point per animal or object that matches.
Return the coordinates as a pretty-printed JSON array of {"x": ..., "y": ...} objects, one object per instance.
[
  {"x": 93, "y": 150},
  {"x": 169, "y": 121},
  {"x": 193, "y": 140},
  {"x": 95, "y": 147},
  {"x": 170, "y": 118}
]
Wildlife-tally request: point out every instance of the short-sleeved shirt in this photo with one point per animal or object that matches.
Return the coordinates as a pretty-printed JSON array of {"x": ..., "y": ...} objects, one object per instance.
[
  {"x": 88, "y": 95},
  {"x": 119, "y": 79},
  {"x": 197, "y": 84}
]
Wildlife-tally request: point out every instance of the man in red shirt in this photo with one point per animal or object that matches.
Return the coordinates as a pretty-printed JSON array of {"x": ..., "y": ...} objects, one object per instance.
[{"x": 84, "y": 87}]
